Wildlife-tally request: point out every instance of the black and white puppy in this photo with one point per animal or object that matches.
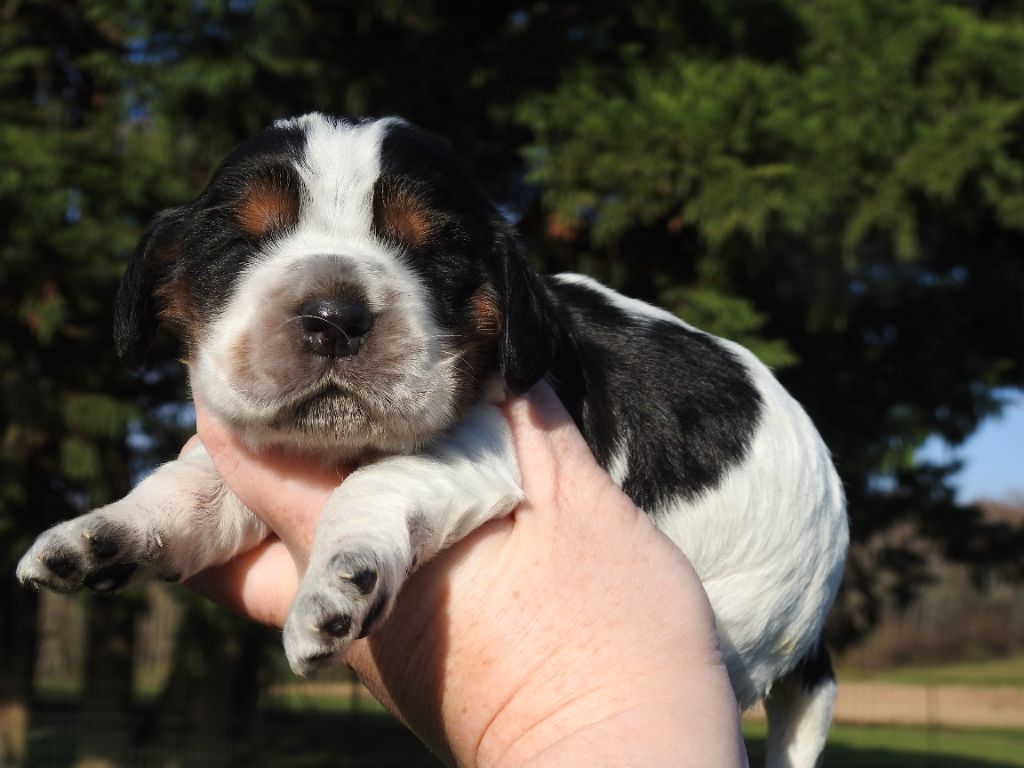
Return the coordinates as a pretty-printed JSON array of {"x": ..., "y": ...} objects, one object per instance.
[{"x": 344, "y": 288}]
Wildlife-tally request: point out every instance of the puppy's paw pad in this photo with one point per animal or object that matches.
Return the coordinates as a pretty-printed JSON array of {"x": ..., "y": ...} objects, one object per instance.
[
  {"x": 63, "y": 564},
  {"x": 336, "y": 626},
  {"x": 103, "y": 545},
  {"x": 364, "y": 580},
  {"x": 91, "y": 551},
  {"x": 110, "y": 577},
  {"x": 340, "y": 600},
  {"x": 316, "y": 630}
]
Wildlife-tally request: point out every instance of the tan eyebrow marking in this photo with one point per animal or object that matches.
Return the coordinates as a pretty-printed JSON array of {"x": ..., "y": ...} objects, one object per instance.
[
  {"x": 267, "y": 206},
  {"x": 403, "y": 216}
]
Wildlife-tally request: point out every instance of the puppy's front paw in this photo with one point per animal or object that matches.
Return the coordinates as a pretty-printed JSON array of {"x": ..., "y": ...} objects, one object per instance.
[
  {"x": 95, "y": 550},
  {"x": 341, "y": 599}
]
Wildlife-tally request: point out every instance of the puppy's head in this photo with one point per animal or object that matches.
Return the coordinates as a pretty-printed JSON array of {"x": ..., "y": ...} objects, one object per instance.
[{"x": 341, "y": 285}]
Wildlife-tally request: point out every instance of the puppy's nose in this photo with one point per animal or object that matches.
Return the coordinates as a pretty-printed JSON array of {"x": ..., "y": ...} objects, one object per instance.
[{"x": 334, "y": 327}]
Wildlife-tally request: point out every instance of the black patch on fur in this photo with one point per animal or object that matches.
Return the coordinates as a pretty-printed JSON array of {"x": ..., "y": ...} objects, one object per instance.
[
  {"x": 530, "y": 334},
  {"x": 683, "y": 407},
  {"x": 814, "y": 668}
]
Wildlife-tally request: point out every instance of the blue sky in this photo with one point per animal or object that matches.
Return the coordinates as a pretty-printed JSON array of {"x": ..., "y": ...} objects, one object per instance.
[{"x": 993, "y": 457}]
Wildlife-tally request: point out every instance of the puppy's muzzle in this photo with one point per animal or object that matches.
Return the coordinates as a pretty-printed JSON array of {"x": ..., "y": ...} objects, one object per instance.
[{"x": 335, "y": 327}]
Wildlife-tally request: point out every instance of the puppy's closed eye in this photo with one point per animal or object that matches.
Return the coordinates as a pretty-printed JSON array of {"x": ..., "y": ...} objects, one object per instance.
[{"x": 268, "y": 205}]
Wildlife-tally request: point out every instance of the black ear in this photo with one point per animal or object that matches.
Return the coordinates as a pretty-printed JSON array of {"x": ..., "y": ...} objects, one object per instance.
[
  {"x": 529, "y": 336},
  {"x": 150, "y": 266}
]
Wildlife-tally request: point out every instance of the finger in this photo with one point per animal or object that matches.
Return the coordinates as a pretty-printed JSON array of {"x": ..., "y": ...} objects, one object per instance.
[
  {"x": 190, "y": 445},
  {"x": 554, "y": 459},
  {"x": 259, "y": 584},
  {"x": 539, "y": 409}
]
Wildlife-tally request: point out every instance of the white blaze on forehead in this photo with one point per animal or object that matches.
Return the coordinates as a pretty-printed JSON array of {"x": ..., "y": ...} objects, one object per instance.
[{"x": 340, "y": 165}]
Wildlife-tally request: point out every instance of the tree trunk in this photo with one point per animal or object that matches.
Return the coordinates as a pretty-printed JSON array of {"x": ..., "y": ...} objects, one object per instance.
[
  {"x": 212, "y": 690},
  {"x": 18, "y": 631},
  {"x": 106, "y": 723}
]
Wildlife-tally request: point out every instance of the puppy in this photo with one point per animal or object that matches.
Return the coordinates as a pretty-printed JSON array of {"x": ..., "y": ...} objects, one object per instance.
[{"x": 345, "y": 288}]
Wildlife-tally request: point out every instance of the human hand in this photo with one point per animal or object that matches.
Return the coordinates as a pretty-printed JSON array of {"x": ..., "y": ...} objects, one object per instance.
[{"x": 569, "y": 633}]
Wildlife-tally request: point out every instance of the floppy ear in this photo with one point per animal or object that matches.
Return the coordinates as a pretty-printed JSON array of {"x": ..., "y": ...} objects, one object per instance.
[
  {"x": 529, "y": 336},
  {"x": 150, "y": 266}
]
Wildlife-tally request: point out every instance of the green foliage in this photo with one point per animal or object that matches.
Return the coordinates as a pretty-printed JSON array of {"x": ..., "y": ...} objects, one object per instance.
[
  {"x": 77, "y": 179},
  {"x": 70, "y": 212},
  {"x": 97, "y": 415},
  {"x": 671, "y": 144},
  {"x": 889, "y": 103}
]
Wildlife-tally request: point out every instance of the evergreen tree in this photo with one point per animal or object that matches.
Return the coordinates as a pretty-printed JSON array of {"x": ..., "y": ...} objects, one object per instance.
[{"x": 77, "y": 179}]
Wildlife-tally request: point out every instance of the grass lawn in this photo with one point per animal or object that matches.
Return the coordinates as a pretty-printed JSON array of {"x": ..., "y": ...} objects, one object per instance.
[
  {"x": 317, "y": 736},
  {"x": 379, "y": 741},
  {"x": 302, "y": 732},
  {"x": 995, "y": 672},
  {"x": 301, "y": 739},
  {"x": 891, "y": 747}
]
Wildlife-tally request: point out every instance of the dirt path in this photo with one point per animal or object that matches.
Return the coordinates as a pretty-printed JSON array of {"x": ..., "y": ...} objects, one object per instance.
[
  {"x": 950, "y": 706},
  {"x": 861, "y": 703}
]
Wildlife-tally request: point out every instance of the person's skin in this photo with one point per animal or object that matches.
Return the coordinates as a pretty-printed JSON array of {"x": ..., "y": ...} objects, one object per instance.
[{"x": 570, "y": 633}]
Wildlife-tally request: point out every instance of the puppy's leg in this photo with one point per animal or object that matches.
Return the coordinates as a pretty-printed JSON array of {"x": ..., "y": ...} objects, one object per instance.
[
  {"x": 389, "y": 517},
  {"x": 178, "y": 521},
  {"x": 799, "y": 710}
]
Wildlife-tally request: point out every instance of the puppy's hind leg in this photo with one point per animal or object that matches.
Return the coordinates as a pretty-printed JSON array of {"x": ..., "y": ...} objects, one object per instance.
[{"x": 799, "y": 711}]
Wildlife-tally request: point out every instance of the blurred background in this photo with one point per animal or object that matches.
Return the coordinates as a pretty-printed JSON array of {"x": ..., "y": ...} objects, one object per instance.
[{"x": 837, "y": 184}]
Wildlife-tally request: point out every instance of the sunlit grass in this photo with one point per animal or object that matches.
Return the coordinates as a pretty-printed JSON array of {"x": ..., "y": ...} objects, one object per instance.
[
  {"x": 982, "y": 673},
  {"x": 881, "y": 747}
]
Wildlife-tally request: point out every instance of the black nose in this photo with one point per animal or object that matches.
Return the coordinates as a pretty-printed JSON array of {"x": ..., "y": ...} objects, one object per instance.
[{"x": 334, "y": 327}]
